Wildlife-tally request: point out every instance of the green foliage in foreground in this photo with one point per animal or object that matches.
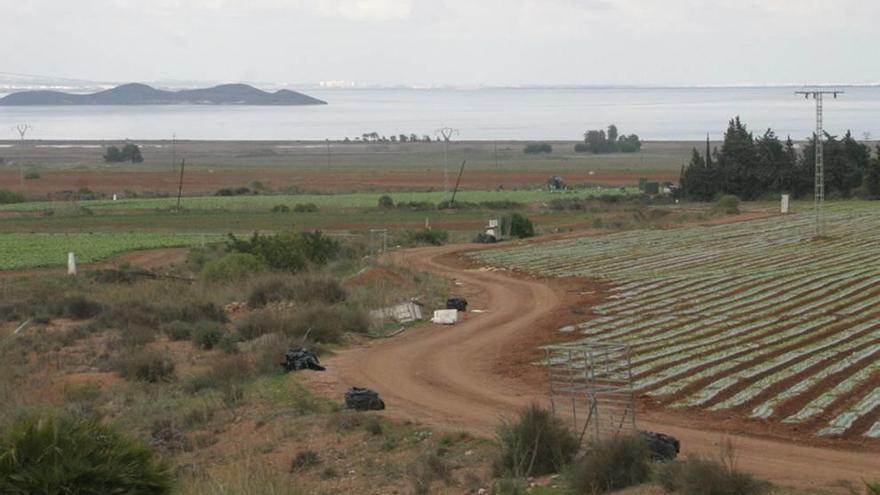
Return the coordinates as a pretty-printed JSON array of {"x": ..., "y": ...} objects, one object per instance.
[
  {"x": 537, "y": 443},
  {"x": 60, "y": 455},
  {"x": 43, "y": 250}
]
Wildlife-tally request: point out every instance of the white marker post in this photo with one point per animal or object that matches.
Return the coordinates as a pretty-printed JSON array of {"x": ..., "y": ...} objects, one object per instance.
[
  {"x": 71, "y": 263},
  {"x": 785, "y": 204}
]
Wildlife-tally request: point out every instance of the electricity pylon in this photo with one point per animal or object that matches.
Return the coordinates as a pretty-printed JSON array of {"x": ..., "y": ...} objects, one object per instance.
[
  {"x": 819, "y": 194},
  {"x": 446, "y": 133}
]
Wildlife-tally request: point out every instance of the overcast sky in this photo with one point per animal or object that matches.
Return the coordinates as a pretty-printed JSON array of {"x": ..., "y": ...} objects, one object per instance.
[{"x": 462, "y": 42}]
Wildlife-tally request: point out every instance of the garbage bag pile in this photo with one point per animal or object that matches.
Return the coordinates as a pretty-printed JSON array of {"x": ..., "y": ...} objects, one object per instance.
[
  {"x": 363, "y": 399},
  {"x": 457, "y": 303},
  {"x": 662, "y": 447},
  {"x": 299, "y": 358}
]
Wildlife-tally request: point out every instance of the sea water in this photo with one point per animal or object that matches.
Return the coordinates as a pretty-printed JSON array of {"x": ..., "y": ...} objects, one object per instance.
[{"x": 478, "y": 114}]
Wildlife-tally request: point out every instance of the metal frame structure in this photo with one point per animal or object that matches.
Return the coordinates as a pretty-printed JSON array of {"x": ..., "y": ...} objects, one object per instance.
[
  {"x": 591, "y": 388},
  {"x": 378, "y": 241},
  {"x": 819, "y": 194}
]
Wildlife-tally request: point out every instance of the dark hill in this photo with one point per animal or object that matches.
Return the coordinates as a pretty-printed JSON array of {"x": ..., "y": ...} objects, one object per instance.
[{"x": 141, "y": 94}]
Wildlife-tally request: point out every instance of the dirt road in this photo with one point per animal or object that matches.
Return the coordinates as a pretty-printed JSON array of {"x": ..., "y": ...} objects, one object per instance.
[{"x": 453, "y": 377}]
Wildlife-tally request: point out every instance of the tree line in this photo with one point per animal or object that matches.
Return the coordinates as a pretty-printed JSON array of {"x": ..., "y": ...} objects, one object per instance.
[
  {"x": 375, "y": 137},
  {"x": 598, "y": 141},
  {"x": 752, "y": 167}
]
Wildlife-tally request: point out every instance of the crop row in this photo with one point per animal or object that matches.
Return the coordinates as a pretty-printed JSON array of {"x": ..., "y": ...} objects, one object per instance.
[{"x": 721, "y": 317}]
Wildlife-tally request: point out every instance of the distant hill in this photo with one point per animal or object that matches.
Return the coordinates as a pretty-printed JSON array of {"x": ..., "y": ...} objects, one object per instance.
[{"x": 141, "y": 94}]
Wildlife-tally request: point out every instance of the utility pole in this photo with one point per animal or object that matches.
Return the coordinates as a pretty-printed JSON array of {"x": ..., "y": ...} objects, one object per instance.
[
  {"x": 819, "y": 194},
  {"x": 446, "y": 133},
  {"x": 180, "y": 183},
  {"x": 328, "y": 154},
  {"x": 22, "y": 132}
]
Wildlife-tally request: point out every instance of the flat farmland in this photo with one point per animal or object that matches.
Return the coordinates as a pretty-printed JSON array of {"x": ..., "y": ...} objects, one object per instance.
[
  {"x": 44, "y": 250},
  {"x": 753, "y": 320},
  {"x": 325, "y": 167}
]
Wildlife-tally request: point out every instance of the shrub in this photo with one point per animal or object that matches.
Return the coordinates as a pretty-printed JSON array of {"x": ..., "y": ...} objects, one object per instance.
[
  {"x": 305, "y": 208},
  {"x": 8, "y": 197},
  {"x": 232, "y": 267},
  {"x": 207, "y": 335},
  {"x": 146, "y": 365},
  {"x": 78, "y": 308},
  {"x": 288, "y": 251},
  {"x": 433, "y": 237},
  {"x": 177, "y": 331},
  {"x": 611, "y": 465},
  {"x": 536, "y": 444},
  {"x": 535, "y": 148},
  {"x": 280, "y": 209},
  {"x": 32, "y": 174},
  {"x": 323, "y": 323},
  {"x": 57, "y": 455},
  {"x": 581, "y": 148},
  {"x": 728, "y": 204},
  {"x": 430, "y": 467},
  {"x": 308, "y": 289},
  {"x": 707, "y": 476},
  {"x": 386, "y": 202},
  {"x": 518, "y": 225},
  {"x": 304, "y": 459}
]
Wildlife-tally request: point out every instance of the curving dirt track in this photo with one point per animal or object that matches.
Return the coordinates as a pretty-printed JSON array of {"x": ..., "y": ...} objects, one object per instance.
[{"x": 455, "y": 377}]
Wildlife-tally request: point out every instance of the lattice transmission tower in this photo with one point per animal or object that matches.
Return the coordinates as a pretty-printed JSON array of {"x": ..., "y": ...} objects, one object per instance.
[{"x": 819, "y": 194}]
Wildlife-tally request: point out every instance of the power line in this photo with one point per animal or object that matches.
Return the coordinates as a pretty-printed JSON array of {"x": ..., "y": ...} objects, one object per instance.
[{"x": 819, "y": 194}]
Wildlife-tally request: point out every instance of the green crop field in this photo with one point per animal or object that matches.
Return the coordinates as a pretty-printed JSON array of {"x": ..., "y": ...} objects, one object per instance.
[
  {"x": 45, "y": 250},
  {"x": 266, "y": 202},
  {"x": 756, "y": 318}
]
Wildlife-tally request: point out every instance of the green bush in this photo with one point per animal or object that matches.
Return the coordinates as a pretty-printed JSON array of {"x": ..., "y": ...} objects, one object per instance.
[
  {"x": 518, "y": 225},
  {"x": 288, "y": 251},
  {"x": 323, "y": 323},
  {"x": 207, "y": 335},
  {"x": 177, "y": 331},
  {"x": 433, "y": 237},
  {"x": 145, "y": 365},
  {"x": 728, "y": 204},
  {"x": 8, "y": 197},
  {"x": 537, "y": 443},
  {"x": 305, "y": 208},
  {"x": 60, "y": 455},
  {"x": 32, "y": 174},
  {"x": 302, "y": 289},
  {"x": 232, "y": 267},
  {"x": 535, "y": 148},
  {"x": 611, "y": 465},
  {"x": 386, "y": 202},
  {"x": 280, "y": 209},
  {"x": 76, "y": 308},
  {"x": 707, "y": 476}
]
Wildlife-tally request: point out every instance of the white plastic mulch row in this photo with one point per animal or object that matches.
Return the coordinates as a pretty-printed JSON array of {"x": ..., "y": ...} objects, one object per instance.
[
  {"x": 723, "y": 360},
  {"x": 795, "y": 361},
  {"x": 845, "y": 420},
  {"x": 767, "y": 408},
  {"x": 817, "y": 405}
]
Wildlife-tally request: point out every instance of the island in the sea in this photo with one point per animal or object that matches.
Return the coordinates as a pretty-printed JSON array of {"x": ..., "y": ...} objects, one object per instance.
[{"x": 141, "y": 94}]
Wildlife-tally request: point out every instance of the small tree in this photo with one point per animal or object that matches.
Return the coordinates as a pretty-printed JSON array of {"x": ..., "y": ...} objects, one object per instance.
[
  {"x": 112, "y": 155},
  {"x": 872, "y": 178},
  {"x": 518, "y": 225},
  {"x": 385, "y": 201}
]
